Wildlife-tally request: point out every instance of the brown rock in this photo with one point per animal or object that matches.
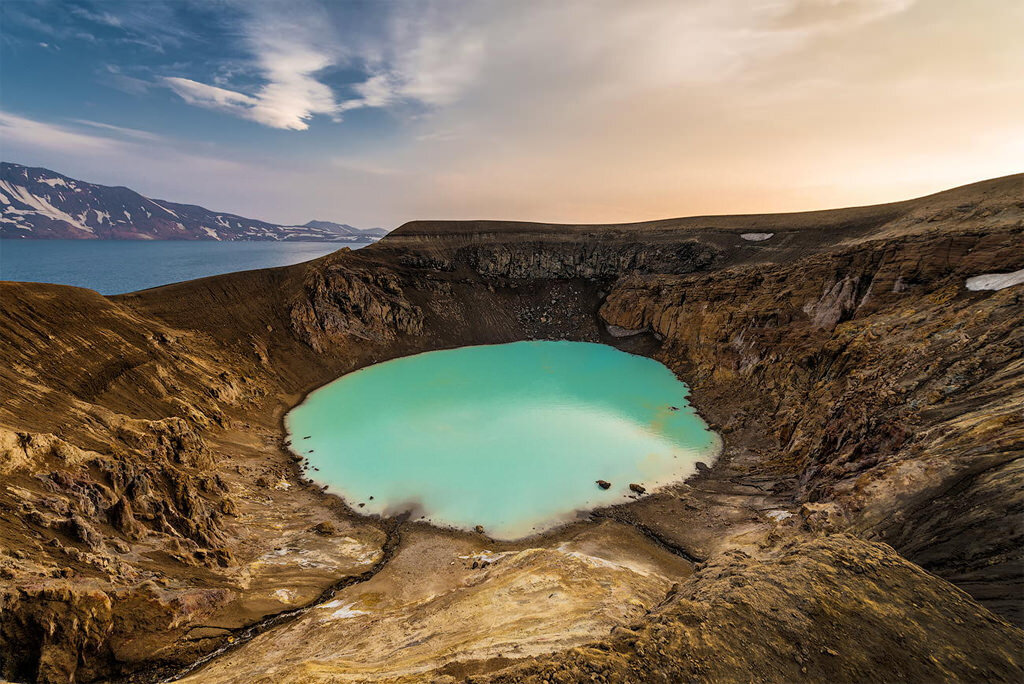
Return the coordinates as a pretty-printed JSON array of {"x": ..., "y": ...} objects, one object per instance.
[{"x": 325, "y": 528}]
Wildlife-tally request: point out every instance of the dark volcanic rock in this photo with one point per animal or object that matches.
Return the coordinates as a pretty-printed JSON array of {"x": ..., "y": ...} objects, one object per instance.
[{"x": 862, "y": 386}]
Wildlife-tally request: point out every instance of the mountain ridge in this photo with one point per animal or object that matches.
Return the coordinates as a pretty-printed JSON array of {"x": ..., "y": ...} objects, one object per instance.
[
  {"x": 345, "y": 228},
  {"x": 41, "y": 204}
]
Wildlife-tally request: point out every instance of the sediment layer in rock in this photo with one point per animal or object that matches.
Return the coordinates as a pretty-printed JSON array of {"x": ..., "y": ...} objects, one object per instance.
[{"x": 863, "y": 522}]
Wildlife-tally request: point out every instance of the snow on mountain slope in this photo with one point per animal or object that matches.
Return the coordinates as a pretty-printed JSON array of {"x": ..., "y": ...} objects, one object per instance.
[
  {"x": 37, "y": 203},
  {"x": 345, "y": 229}
]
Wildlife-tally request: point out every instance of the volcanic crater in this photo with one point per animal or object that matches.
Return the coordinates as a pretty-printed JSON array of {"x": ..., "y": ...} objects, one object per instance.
[{"x": 863, "y": 522}]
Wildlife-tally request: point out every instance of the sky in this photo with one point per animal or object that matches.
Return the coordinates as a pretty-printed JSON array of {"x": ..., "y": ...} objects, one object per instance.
[{"x": 376, "y": 113}]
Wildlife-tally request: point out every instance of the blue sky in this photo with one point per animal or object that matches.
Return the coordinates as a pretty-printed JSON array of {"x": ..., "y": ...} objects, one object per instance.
[{"x": 374, "y": 113}]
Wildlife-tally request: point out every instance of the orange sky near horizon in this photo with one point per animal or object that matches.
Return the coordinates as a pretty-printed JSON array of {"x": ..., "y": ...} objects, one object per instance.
[{"x": 581, "y": 111}]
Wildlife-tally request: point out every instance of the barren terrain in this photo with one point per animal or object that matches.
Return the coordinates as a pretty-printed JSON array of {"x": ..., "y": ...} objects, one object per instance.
[{"x": 863, "y": 523}]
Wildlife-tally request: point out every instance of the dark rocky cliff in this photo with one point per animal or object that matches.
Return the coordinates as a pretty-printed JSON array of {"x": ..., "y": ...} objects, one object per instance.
[{"x": 866, "y": 398}]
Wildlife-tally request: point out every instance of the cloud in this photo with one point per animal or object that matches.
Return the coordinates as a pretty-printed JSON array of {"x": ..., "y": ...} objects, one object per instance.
[
  {"x": 212, "y": 97},
  {"x": 120, "y": 130},
  {"x": 143, "y": 152},
  {"x": 103, "y": 18},
  {"x": 283, "y": 45},
  {"x": 153, "y": 24},
  {"x": 291, "y": 98},
  {"x": 579, "y": 110},
  {"x": 411, "y": 57},
  {"x": 832, "y": 14},
  {"x": 157, "y": 167},
  {"x": 18, "y": 130}
]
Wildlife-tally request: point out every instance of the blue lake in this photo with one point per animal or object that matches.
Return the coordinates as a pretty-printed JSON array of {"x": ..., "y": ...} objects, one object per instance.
[
  {"x": 512, "y": 437},
  {"x": 118, "y": 266}
]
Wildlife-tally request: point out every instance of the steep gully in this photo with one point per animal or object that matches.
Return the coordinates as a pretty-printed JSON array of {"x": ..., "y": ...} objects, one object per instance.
[{"x": 242, "y": 635}]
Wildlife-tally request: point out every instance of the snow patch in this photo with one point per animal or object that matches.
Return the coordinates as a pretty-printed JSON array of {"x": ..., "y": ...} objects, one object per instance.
[
  {"x": 165, "y": 209},
  {"x": 54, "y": 182},
  {"x": 39, "y": 205},
  {"x": 757, "y": 237},
  {"x": 995, "y": 281},
  {"x": 18, "y": 221}
]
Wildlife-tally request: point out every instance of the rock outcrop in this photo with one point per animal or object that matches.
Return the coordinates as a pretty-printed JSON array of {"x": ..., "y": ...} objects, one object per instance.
[
  {"x": 150, "y": 512},
  {"x": 742, "y": 617}
]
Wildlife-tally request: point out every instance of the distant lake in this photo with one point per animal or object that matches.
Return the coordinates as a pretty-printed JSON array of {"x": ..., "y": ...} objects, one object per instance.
[{"x": 118, "y": 266}]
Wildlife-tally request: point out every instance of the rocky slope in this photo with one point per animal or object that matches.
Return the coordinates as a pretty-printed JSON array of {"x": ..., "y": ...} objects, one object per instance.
[
  {"x": 40, "y": 204},
  {"x": 862, "y": 523}
]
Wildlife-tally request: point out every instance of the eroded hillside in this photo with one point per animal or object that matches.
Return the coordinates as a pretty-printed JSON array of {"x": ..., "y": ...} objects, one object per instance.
[{"x": 863, "y": 520}]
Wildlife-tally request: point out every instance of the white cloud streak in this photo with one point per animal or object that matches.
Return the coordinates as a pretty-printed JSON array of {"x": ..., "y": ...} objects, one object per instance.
[
  {"x": 120, "y": 130},
  {"x": 592, "y": 110},
  {"x": 437, "y": 54},
  {"x": 153, "y": 165},
  {"x": 289, "y": 100},
  {"x": 18, "y": 130},
  {"x": 283, "y": 43}
]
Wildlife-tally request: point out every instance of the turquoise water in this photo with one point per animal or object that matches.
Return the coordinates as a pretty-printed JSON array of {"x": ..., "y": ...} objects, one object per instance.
[
  {"x": 511, "y": 437},
  {"x": 117, "y": 266}
]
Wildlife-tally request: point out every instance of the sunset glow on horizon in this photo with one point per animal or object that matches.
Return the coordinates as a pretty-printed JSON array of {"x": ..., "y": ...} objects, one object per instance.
[{"x": 583, "y": 111}]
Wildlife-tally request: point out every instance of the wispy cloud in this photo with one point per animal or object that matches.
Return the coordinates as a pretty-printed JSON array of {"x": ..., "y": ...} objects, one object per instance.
[
  {"x": 438, "y": 54},
  {"x": 153, "y": 165},
  {"x": 286, "y": 57},
  {"x": 212, "y": 97},
  {"x": 120, "y": 130},
  {"x": 115, "y": 148},
  {"x": 153, "y": 24},
  {"x": 289, "y": 100},
  {"x": 113, "y": 76},
  {"x": 21, "y": 131},
  {"x": 576, "y": 110},
  {"x": 104, "y": 18},
  {"x": 415, "y": 57}
]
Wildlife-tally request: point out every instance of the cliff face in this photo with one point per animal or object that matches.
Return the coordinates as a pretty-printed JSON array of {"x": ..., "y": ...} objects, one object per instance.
[
  {"x": 864, "y": 395},
  {"x": 105, "y": 470},
  {"x": 125, "y": 486},
  {"x": 881, "y": 387}
]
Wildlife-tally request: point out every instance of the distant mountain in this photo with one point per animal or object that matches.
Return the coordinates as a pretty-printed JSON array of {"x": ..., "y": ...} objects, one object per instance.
[
  {"x": 345, "y": 229},
  {"x": 41, "y": 204}
]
